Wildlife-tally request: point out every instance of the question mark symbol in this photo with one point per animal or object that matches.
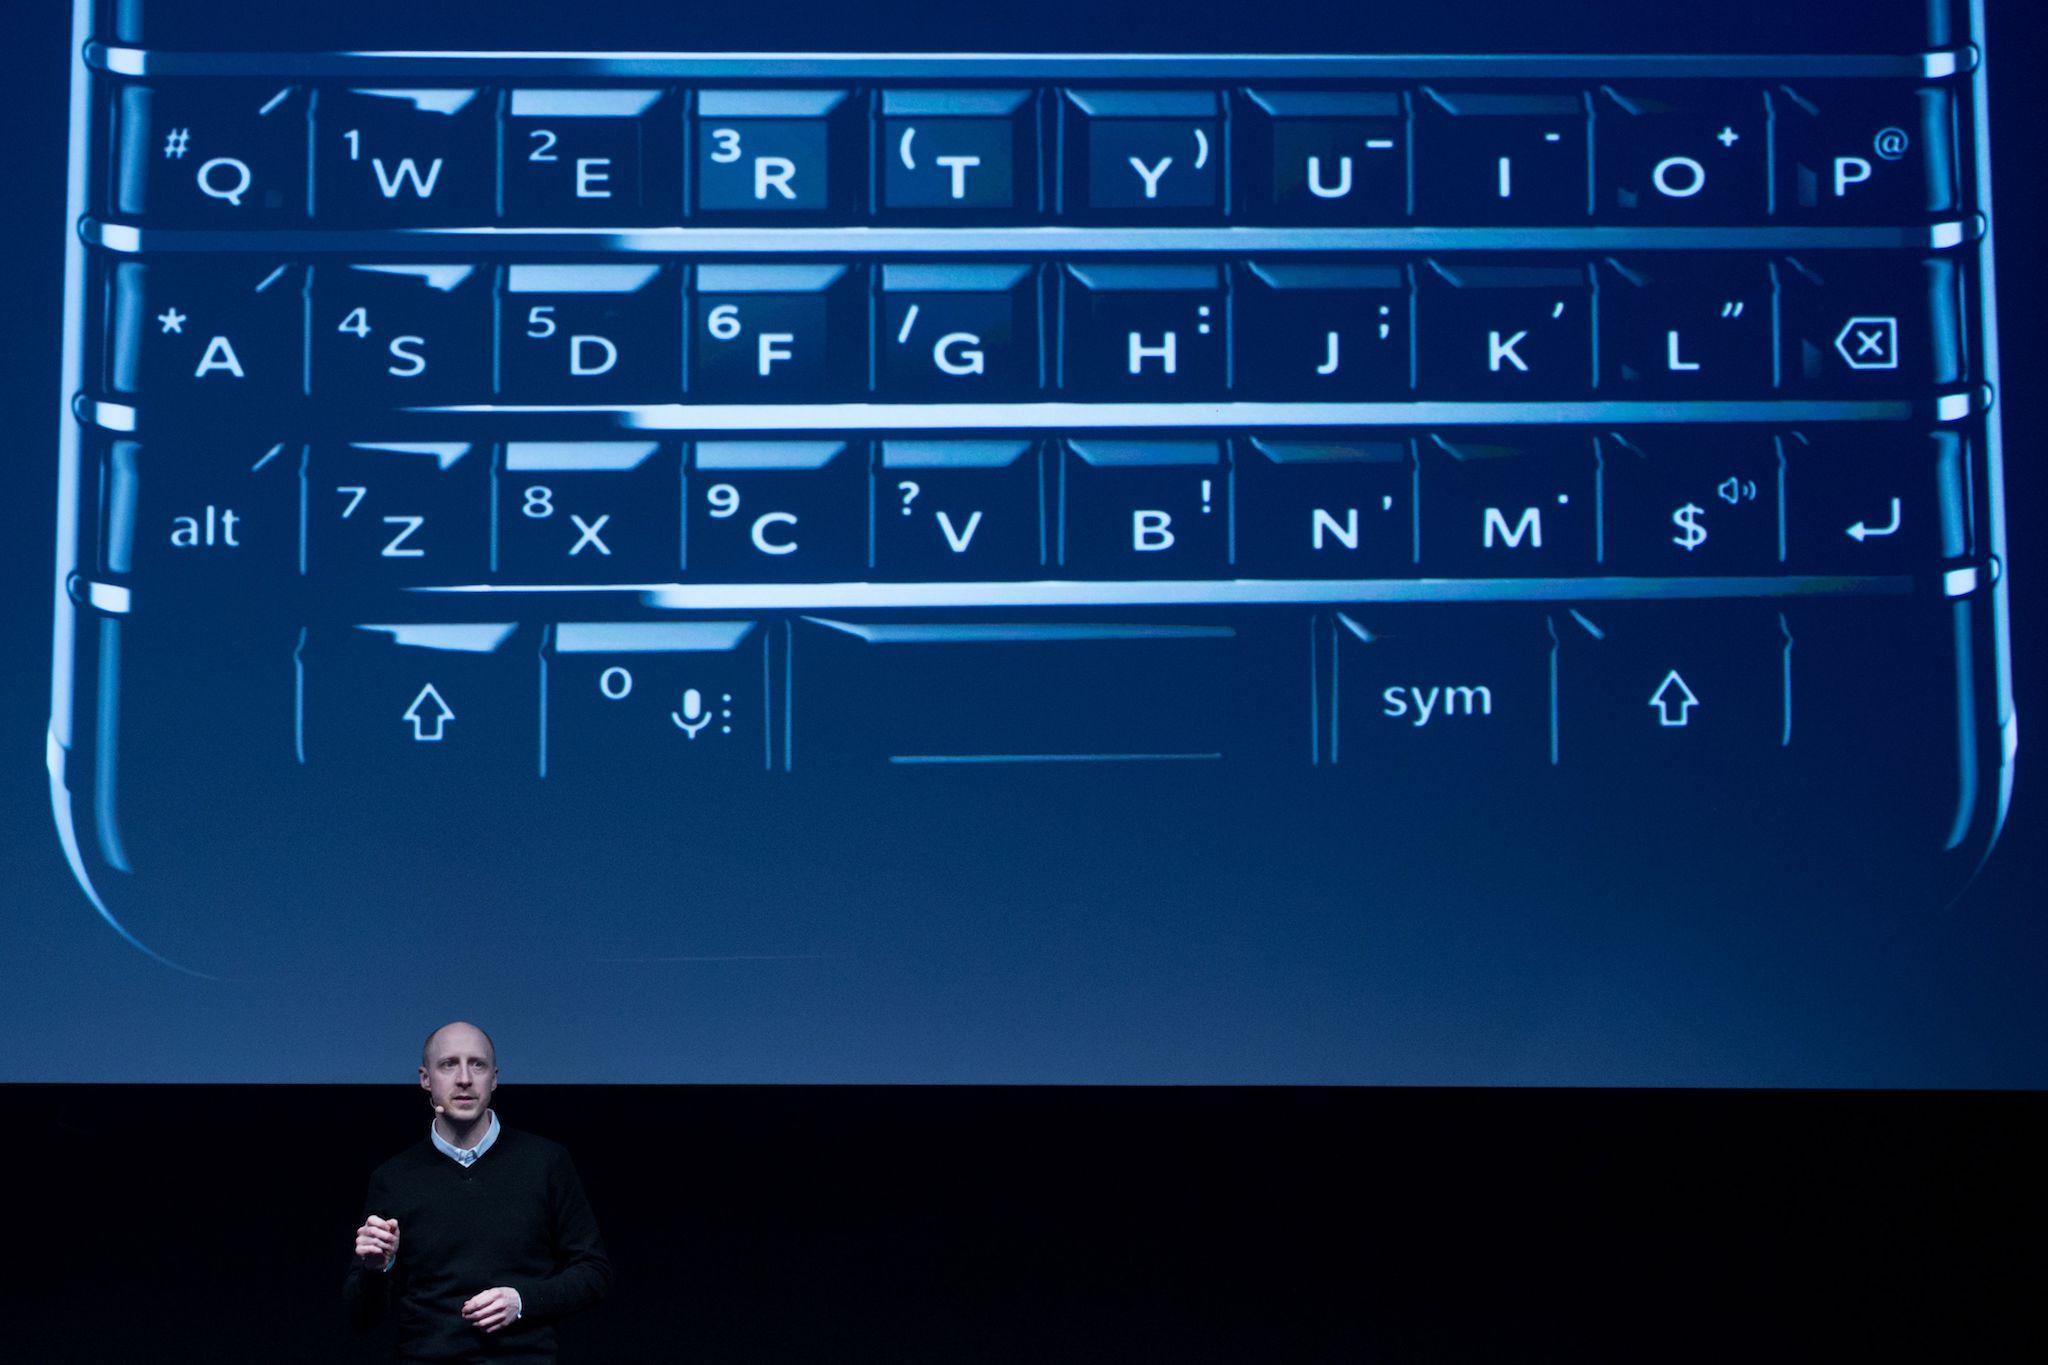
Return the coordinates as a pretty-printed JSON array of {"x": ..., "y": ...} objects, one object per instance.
[{"x": 910, "y": 492}]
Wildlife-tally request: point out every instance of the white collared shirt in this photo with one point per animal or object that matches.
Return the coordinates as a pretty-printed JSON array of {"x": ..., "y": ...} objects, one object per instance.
[{"x": 464, "y": 1156}]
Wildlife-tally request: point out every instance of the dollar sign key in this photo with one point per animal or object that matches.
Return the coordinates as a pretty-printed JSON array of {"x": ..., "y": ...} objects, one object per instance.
[{"x": 1691, "y": 535}]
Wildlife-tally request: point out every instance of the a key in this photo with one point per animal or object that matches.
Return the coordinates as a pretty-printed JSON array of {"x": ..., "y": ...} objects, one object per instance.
[
  {"x": 397, "y": 513},
  {"x": 1676, "y": 500},
  {"x": 780, "y": 152},
  {"x": 1326, "y": 508},
  {"x": 1505, "y": 331},
  {"x": 402, "y": 334},
  {"x": 1145, "y": 331},
  {"x": 959, "y": 332},
  {"x": 590, "y": 156},
  {"x": 769, "y": 332},
  {"x": 777, "y": 511},
  {"x": 958, "y": 155},
  {"x": 1325, "y": 156},
  {"x": 1869, "y": 326},
  {"x": 1864, "y": 152},
  {"x": 1874, "y": 500},
  {"x": 1144, "y": 155},
  {"x": 1331, "y": 332},
  {"x": 1499, "y": 157},
  {"x": 587, "y": 512},
  {"x": 1145, "y": 509},
  {"x": 588, "y": 333},
  {"x": 220, "y": 153},
  {"x": 1509, "y": 505},
  {"x": 959, "y": 510},
  {"x": 1683, "y": 329},
  {"x": 1682, "y": 154},
  {"x": 226, "y": 334},
  {"x": 679, "y": 702},
  {"x": 403, "y": 157}
]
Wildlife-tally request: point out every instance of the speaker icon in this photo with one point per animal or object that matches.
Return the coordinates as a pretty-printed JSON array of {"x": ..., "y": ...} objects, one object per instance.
[{"x": 1734, "y": 491}]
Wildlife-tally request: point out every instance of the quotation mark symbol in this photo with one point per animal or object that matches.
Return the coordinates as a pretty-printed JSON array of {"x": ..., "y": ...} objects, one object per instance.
[{"x": 176, "y": 143}]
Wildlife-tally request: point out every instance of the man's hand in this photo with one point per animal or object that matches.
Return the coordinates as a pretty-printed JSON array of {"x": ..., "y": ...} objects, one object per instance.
[
  {"x": 492, "y": 1309},
  {"x": 377, "y": 1242}
]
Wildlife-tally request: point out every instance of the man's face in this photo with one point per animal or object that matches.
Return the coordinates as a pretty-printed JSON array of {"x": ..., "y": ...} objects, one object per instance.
[{"x": 459, "y": 1072}]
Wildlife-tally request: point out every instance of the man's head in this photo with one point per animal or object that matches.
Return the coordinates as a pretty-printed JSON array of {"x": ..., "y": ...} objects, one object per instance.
[{"x": 459, "y": 1070}]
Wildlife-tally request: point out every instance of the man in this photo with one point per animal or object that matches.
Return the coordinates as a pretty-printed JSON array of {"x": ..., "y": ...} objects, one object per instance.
[{"x": 480, "y": 1233}]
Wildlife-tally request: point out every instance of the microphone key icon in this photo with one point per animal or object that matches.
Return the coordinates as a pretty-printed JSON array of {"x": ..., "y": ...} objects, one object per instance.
[{"x": 694, "y": 714}]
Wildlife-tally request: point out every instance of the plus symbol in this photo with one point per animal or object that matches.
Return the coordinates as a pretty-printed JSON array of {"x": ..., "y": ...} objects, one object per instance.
[{"x": 1727, "y": 137}]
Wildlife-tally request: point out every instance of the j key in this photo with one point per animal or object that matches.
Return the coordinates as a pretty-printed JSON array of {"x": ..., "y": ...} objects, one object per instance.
[
  {"x": 958, "y": 332},
  {"x": 402, "y": 333},
  {"x": 777, "y": 152},
  {"x": 1490, "y": 157},
  {"x": 767, "y": 332},
  {"x": 226, "y": 333},
  {"x": 202, "y": 520},
  {"x": 1327, "y": 509},
  {"x": 1672, "y": 328},
  {"x": 954, "y": 154},
  {"x": 1153, "y": 155},
  {"x": 1863, "y": 152},
  {"x": 1695, "y": 154},
  {"x": 1505, "y": 331},
  {"x": 1874, "y": 500},
  {"x": 1326, "y": 157},
  {"x": 673, "y": 700},
  {"x": 227, "y": 154},
  {"x": 777, "y": 511},
  {"x": 959, "y": 509},
  {"x": 588, "y": 333},
  {"x": 589, "y": 156},
  {"x": 1326, "y": 331},
  {"x": 1145, "y": 331},
  {"x": 1523, "y": 504},
  {"x": 397, "y": 513},
  {"x": 1869, "y": 326},
  {"x": 1655, "y": 694},
  {"x": 1442, "y": 697},
  {"x": 588, "y": 512},
  {"x": 1675, "y": 501},
  {"x": 453, "y": 703},
  {"x": 403, "y": 157},
  {"x": 1145, "y": 509}
]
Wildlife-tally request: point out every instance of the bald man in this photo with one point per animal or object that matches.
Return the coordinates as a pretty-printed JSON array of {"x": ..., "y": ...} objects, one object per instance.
[{"x": 480, "y": 1234}]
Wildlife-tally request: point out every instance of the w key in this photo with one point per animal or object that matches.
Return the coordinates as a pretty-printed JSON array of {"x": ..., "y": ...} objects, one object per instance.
[{"x": 390, "y": 158}]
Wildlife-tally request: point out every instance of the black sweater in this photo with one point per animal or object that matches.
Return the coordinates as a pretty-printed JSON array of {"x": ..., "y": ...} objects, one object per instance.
[{"x": 515, "y": 1217}]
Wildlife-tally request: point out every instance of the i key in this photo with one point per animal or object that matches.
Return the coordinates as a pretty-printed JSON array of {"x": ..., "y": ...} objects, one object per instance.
[
  {"x": 403, "y": 157},
  {"x": 1502, "y": 158}
]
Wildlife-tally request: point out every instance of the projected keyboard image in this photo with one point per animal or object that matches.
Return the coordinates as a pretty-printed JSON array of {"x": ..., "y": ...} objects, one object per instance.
[{"x": 607, "y": 484}]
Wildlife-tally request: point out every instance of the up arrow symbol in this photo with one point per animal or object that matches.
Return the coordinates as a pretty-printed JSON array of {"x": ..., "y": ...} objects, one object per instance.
[
  {"x": 1674, "y": 701},
  {"x": 428, "y": 714}
]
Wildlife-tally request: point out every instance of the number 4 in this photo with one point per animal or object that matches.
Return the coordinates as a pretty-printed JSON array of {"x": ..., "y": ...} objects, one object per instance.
[{"x": 357, "y": 322}]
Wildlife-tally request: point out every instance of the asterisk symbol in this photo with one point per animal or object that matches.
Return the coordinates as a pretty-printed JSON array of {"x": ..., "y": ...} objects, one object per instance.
[{"x": 173, "y": 321}]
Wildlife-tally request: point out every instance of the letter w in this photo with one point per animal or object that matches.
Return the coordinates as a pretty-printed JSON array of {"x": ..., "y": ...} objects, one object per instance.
[{"x": 390, "y": 181}]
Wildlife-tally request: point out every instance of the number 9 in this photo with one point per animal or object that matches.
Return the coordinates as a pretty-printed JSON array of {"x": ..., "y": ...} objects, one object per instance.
[{"x": 724, "y": 498}]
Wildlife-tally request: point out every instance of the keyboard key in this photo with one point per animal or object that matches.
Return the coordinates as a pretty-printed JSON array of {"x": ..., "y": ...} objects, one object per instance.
[
  {"x": 1523, "y": 503},
  {"x": 1676, "y": 500},
  {"x": 1144, "y": 155},
  {"x": 1145, "y": 509},
  {"x": 402, "y": 334},
  {"x": 590, "y": 156},
  {"x": 396, "y": 158},
  {"x": 200, "y": 521},
  {"x": 1331, "y": 332},
  {"x": 777, "y": 511},
  {"x": 589, "y": 333},
  {"x": 1494, "y": 157},
  {"x": 397, "y": 514},
  {"x": 959, "y": 510},
  {"x": 682, "y": 701},
  {"x": 223, "y": 332},
  {"x": 1864, "y": 152},
  {"x": 1867, "y": 326},
  {"x": 452, "y": 705},
  {"x": 1874, "y": 500},
  {"x": 1441, "y": 698},
  {"x": 1505, "y": 332},
  {"x": 588, "y": 512},
  {"x": 1326, "y": 508},
  {"x": 1678, "y": 328},
  {"x": 220, "y": 153},
  {"x": 1145, "y": 331},
  {"x": 1682, "y": 154},
  {"x": 959, "y": 332},
  {"x": 1325, "y": 156},
  {"x": 785, "y": 152},
  {"x": 952, "y": 155},
  {"x": 777, "y": 332}
]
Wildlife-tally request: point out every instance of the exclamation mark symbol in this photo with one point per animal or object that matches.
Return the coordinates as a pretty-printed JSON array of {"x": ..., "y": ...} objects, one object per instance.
[{"x": 1205, "y": 496}]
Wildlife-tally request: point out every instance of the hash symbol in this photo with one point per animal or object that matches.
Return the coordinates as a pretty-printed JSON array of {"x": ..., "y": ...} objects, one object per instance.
[{"x": 176, "y": 143}]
